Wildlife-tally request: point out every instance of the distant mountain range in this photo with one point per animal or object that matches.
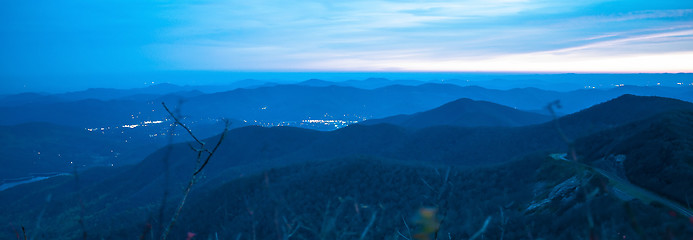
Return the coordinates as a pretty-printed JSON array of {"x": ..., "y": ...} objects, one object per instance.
[
  {"x": 281, "y": 103},
  {"x": 218, "y": 81},
  {"x": 103, "y": 94},
  {"x": 370, "y": 83}
]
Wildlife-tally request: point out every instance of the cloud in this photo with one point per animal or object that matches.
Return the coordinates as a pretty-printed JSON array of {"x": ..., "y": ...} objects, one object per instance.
[
  {"x": 667, "y": 41},
  {"x": 383, "y": 34},
  {"x": 312, "y": 34}
]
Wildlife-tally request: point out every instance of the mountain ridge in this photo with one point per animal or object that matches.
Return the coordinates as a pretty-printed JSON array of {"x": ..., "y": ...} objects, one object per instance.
[
  {"x": 295, "y": 103},
  {"x": 464, "y": 112}
]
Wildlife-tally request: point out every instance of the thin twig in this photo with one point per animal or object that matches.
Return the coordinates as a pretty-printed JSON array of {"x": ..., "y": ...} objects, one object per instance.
[
  {"x": 503, "y": 223},
  {"x": 182, "y": 125},
  {"x": 365, "y": 231},
  {"x": 294, "y": 231},
  {"x": 214, "y": 149},
  {"x": 426, "y": 183},
  {"x": 482, "y": 230},
  {"x": 199, "y": 151},
  {"x": 407, "y": 226},
  {"x": 402, "y": 235},
  {"x": 178, "y": 210}
]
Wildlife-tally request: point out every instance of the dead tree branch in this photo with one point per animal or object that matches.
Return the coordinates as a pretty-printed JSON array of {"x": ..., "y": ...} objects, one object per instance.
[{"x": 202, "y": 149}]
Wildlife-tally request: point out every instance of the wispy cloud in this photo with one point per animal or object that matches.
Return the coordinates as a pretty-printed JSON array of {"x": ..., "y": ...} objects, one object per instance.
[
  {"x": 669, "y": 41},
  {"x": 642, "y": 15},
  {"x": 449, "y": 35},
  {"x": 372, "y": 35}
]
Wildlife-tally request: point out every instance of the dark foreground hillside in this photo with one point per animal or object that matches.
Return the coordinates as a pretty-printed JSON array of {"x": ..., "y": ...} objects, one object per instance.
[
  {"x": 536, "y": 197},
  {"x": 338, "y": 200}
]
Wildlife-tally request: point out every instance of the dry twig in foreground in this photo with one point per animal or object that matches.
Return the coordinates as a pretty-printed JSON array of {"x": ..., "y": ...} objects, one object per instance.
[{"x": 202, "y": 149}]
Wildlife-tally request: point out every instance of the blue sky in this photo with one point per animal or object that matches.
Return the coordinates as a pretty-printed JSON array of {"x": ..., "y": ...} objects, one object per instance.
[{"x": 47, "y": 37}]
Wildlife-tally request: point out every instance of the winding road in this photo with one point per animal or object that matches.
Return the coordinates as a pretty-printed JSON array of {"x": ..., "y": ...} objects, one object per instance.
[{"x": 631, "y": 189}]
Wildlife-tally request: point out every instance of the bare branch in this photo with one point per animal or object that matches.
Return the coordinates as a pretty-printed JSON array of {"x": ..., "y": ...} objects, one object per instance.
[
  {"x": 178, "y": 210},
  {"x": 402, "y": 235},
  {"x": 182, "y": 125},
  {"x": 365, "y": 231},
  {"x": 221, "y": 138},
  {"x": 482, "y": 230},
  {"x": 407, "y": 225},
  {"x": 199, "y": 152},
  {"x": 426, "y": 183},
  {"x": 298, "y": 226}
]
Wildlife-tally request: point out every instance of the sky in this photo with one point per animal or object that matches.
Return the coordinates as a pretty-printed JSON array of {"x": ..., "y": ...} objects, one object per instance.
[{"x": 83, "y": 37}]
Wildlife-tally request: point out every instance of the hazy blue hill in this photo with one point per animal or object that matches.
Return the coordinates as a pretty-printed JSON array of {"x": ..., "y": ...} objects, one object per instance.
[
  {"x": 27, "y": 98},
  {"x": 373, "y": 83},
  {"x": 103, "y": 94},
  {"x": 317, "y": 83},
  {"x": 282, "y": 102},
  {"x": 370, "y": 83},
  {"x": 84, "y": 113},
  {"x": 44, "y": 148},
  {"x": 483, "y": 145},
  {"x": 111, "y": 93},
  {"x": 465, "y": 113},
  {"x": 174, "y": 96},
  {"x": 295, "y": 103},
  {"x": 99, "y": 93},
  {"x": 624, "y": 109}
]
